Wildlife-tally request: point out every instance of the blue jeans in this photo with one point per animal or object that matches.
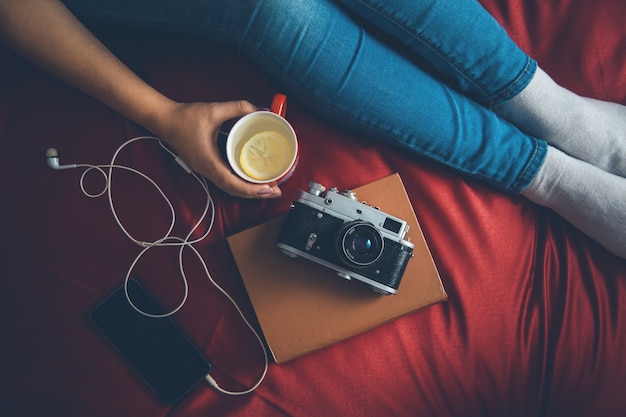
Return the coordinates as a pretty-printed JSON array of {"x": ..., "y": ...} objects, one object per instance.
[{"x": 421, "y": 75}]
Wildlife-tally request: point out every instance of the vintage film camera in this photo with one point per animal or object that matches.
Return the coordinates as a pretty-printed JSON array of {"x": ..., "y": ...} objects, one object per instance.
[{"x": 358, "y": 241}]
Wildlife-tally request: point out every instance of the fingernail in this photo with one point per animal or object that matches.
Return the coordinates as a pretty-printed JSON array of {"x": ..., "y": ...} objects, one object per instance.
[
  {"x": 259, "y": 108},
  {"x": 265, "y": 191},
  {"x": 276, "y": 195}
]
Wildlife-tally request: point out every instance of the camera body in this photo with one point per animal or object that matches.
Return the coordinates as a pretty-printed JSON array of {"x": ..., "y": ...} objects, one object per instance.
[{"x": 358, "y": 241}]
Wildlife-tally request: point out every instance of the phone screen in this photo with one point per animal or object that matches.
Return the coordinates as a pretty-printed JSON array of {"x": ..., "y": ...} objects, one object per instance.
[{"x": 156, "y": 347}]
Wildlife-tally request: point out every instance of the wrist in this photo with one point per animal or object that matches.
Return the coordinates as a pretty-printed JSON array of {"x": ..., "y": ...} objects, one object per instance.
[{"x": 158, "y": 119}]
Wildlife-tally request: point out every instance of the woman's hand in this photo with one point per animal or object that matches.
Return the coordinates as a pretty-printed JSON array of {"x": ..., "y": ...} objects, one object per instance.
[
  {"x": 46, "y": 32},
  {"x": 192, "y": 130}
]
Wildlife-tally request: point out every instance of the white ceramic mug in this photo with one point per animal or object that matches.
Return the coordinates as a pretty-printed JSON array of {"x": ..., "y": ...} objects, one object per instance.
[{"x": 259, "y": 124}]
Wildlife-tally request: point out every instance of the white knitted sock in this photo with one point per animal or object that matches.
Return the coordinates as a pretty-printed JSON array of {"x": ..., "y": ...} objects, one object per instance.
[
  {"x": 591, "y": 199},
  {"x": 588, "y": 129}
]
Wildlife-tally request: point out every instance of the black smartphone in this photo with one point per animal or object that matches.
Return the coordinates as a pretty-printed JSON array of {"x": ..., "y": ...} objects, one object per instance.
[{"x": 155, "y": 347}]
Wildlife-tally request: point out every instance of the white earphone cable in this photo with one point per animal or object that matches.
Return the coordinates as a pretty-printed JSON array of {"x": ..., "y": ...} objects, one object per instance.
[{"x": 168, "y": 240}]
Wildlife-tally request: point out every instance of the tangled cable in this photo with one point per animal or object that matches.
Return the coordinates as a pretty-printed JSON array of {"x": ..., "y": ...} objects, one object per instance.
[{"x": 106, "y": 170}]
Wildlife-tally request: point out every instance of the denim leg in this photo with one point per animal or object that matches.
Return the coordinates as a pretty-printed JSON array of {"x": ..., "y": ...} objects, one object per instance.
[
  {"x": 322, "y": 55},
  {"x": 466, "y": 46}
]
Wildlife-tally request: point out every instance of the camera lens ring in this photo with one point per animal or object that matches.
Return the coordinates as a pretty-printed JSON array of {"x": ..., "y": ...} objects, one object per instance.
[{"x": 359, "y": 243}]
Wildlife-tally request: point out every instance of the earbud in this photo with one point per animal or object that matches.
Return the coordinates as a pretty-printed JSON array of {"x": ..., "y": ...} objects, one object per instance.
[{"x": 53, "y": 160}]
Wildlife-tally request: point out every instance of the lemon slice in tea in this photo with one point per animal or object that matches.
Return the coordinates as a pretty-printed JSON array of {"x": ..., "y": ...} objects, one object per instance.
[{"x": 265, "y": 155}]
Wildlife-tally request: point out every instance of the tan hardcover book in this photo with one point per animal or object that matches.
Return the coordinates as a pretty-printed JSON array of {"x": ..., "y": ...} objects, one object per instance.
[{"x": 303, "y": 306}]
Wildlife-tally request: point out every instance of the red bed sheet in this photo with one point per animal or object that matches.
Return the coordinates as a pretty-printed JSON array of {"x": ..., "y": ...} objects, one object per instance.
[{"x": 535, "y": 324}]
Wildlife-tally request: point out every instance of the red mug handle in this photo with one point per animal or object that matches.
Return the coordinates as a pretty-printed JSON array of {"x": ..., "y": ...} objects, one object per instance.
[{"x": 279, "y": 104}]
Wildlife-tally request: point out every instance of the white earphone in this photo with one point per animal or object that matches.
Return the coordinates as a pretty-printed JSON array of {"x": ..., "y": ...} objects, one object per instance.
[
  {"x": 53, "y": 160},
  {"x": 167, "y": 239}
]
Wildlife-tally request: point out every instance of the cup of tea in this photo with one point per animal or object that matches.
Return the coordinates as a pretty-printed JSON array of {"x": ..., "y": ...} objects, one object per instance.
[{"x": 262, "y": 147}]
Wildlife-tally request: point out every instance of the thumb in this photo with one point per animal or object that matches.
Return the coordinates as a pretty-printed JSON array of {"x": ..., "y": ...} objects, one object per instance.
[{"x": 233, "y": 109}]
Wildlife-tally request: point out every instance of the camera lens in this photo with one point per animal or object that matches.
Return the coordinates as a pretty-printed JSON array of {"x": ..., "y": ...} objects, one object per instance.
[{"x": 360, "y": 243}]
